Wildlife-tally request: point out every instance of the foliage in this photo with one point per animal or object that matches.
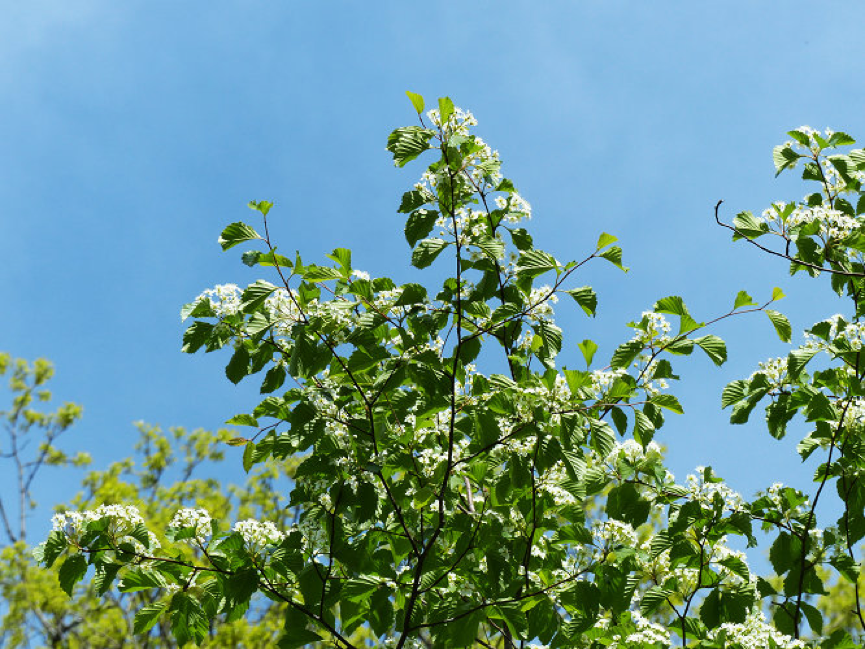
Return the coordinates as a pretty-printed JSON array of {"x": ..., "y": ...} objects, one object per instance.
[
  {"x": 170, "y": 470},
  {"x": 439, "y": 504}
]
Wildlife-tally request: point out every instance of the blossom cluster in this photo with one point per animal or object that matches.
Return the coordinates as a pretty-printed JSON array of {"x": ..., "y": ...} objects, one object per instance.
[
  {"x": 257, "y": 535},
  {"x": 195, "y": 518}
]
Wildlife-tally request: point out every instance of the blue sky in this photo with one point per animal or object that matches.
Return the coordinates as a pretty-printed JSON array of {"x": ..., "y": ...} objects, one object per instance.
[{"x": 133, "y": 132}]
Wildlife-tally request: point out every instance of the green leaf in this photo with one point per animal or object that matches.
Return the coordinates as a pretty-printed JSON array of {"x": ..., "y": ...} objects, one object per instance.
[
  {"x": 671, "y": 304},
  {"x": 321, "y": 273},
  {"x": 535, "y": 262},
  {"x": 238, "y": 366},
  {"x": 667, "y": 401},
  {"x": 188, "y": 622},
  {"x": 46, "y": 553},
  {"x": 248, "y": 454},
  {"x": 255, "y": 257},
  {"x": 743, "y": 299},
  {"x": 614, "y": 256},
  {"x": 626, "y": 353},
  {"x": 748, "y": 226},
  {"x": 586, "y": 298},
  {"x": 654, "y": 599},
  {"x": 273, "y": 380},
  {"x": 777, "y": 294},
  {"x": 243, "y": 420},
  {"x": 714, "y": 348},
  {"x": 255, "y": 295},
  {"x": 71, "y": 572},
  {"x": 416, "y": 101},
  {"x": 588, "y": 348},
  {"x": 814, "y": 617},
  {"x": 426, "y": 252},
  {"x": 147, "y": 616},
  {"x": 296, "y": 637},
  {"x": 446, "y": 109},
  {"x": 412, "y": 200},
  {"x": 237, "y": 233},
  {"x": 260, "y": 206},
  {"x": 521, "y": 238},
  {"x": 419, "y": 224},
  {"x": 141, "y": 579},
  {"x": 408, "y": 142},
  {"x": 733, "y": 392},
  {"x": 784, "y": 157},
  {"x": 781, "y": 324},
  {"x": 491, "y": 247},
  {"x": 605, "y": 240},
  {"x": 356, "y": 590}
]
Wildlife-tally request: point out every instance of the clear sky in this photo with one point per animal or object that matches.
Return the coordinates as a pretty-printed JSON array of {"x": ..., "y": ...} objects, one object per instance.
[{"x": 133, "y": 131}]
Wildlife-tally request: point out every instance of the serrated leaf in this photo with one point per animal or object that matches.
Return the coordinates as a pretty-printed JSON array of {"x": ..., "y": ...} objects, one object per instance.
[
  {"x": 614, "y": 256},
  {"x": 586, "y": 298},
  {"x": 781, "y": 324},
  {"x": 714, "y": 347},
  {"x": 71, "y": 572},
  {"x": 521, "y": 238},
  {"x": 321, "y": 273},
  {"x": 295, "y": 638},
  {"x": 784, "y": 157},
  {"x": 626, "y": 353},
  {"x": 238, "y": 366},
  {"x": 446, "y": 109},
  {"x": 672, "y": 304},
  {"x": 255, "y": 257},
  {"x": 141, "y": 579},
  {"x": 248, "y": 454},
  {"x": 260, "y": 206},
  {"x": 255, "y": 295},
  {"x": 147, "y": 616},
  {"x": 243, "y": 420},
  {"x": 46, "y": 553},
  {"x": 408, "y": 142},
  {"x": 605, "y": 240},
  {"x": 743, "y": 299},
  {"x": 419, "y": 224},
  {"x": 416, "y": 101},
  {"x": 747, "y": 225},
  {"x": 733, "y": 392},
  {"x": 492, "y": 247},
  {"x": 588, "y": 349},
  {"x": 426, "y": 252},
  {"x": 738, "y": 567},
  {"x": 535, "y": 262},
  {"x": 667, "y": 401},
  {"x": 654, "y": 598},
  {"x": 236, "y": 233}
]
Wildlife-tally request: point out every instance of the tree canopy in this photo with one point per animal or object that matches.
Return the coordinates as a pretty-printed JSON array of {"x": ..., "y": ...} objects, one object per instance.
[{"x": 451, "y": 485}]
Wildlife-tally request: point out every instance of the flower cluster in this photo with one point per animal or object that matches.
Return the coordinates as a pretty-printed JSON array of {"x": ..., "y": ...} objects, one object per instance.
[
  {"x": 123, "y": 516},
  {"x": 122, "y": 520},
  {"x": 755, "y": 633},
  {"x": 257, "y": 535},
  {"x": 774, "y": 369},
  {"x": 195, "y": 518},
  {"x": 224, "y": 299},
  {"x": 703, "y": 489}
]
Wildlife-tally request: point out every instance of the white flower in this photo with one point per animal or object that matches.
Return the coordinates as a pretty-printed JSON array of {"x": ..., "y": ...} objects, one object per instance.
[
  {"x": 197, "y": 518},
  {"x": 223, "y": 298},
  {"x": 256, "y": 535}
]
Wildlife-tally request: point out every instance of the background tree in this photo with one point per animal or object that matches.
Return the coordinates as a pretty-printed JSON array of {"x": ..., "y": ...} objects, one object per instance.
[{"x": 168, "y": 471}]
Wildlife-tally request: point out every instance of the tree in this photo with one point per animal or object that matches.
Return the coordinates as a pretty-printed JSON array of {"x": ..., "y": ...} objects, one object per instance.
[
  {"x": 441, "y": 504},
  {"x": 169, "y": 471}
]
